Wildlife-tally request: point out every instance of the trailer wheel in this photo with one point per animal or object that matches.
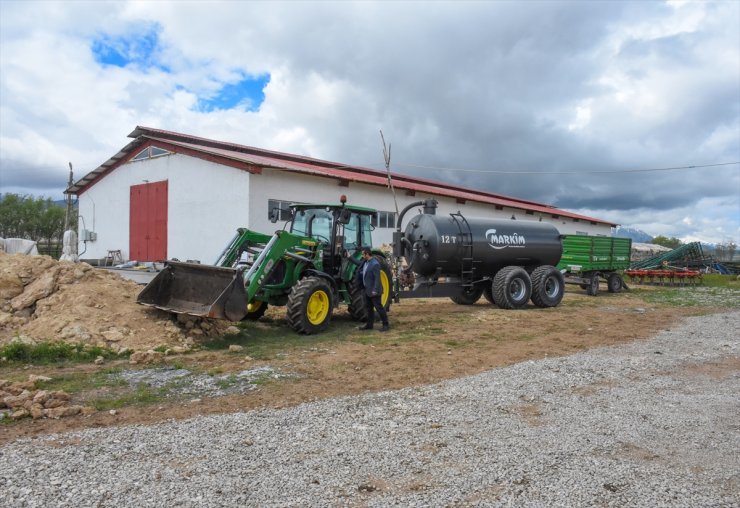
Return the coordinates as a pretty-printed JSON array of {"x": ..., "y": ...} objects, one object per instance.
[
  {"x": 356, "y": 292},
  {"x": 310, "y": 305},
  {"x": 488, "y": 292},
  {"x": 614, "y": 283},
  {"x": 467, "y": 296},
  {"x": 512, "y": 287},
  {"x": 548, "y": 286},
  {"x": 255, "y": 310},
  {"x": 593, "y": 287}
]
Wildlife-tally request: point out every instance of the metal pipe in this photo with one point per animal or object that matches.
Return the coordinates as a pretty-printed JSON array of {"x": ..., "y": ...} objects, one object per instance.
[
  {"x": 226, "y": 249},
  {"x": 297, "y": 257},
  {"x": 260, "y": 258}
]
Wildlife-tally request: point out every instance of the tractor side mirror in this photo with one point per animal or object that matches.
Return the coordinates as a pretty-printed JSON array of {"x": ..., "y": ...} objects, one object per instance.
[
  {"x": 344, "y": 216},
  {"x": 277, "y": 214}
]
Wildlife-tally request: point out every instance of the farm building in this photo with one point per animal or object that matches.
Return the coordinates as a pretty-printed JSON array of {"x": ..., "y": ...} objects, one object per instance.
[{"x": 169, "y": 195}]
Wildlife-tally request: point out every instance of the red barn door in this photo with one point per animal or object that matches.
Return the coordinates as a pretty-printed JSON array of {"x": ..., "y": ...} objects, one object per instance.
[{"x": 148, "y": 222}]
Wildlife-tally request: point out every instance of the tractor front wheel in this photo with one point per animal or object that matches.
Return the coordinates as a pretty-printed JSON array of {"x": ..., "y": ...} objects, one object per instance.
[{"x": 310, "y": 305}]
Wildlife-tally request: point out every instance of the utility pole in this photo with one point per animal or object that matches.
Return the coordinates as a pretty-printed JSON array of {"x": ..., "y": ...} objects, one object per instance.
[{"x": 69, "y": 200}]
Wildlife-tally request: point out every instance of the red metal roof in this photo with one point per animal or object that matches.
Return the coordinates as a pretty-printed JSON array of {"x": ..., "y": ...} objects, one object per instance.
[{"x": 255, "y": 159}]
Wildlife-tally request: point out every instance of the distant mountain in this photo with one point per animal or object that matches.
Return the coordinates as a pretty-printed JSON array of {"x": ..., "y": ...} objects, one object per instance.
[{"x": 637, "y": 235}]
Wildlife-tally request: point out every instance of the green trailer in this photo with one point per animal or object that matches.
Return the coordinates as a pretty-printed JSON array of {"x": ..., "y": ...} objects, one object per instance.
[{"x": 586, "y": 260}]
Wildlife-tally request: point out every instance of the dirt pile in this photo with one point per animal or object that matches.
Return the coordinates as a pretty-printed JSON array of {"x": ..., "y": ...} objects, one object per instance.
[{"x": 42, "y": 299}]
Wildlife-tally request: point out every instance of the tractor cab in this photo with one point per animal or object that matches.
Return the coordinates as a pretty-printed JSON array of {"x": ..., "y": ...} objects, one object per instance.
[{"x": 337, "y": 228}]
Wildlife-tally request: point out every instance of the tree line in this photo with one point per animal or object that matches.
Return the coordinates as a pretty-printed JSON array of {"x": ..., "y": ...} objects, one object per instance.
[{"x": 38, "y": 219}]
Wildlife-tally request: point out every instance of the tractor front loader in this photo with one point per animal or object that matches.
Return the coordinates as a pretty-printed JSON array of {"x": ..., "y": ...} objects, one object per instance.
[{"x": 303, "y": 269}]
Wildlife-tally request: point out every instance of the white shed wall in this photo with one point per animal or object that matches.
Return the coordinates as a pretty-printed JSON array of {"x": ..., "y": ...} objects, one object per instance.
[
  {"x": 284, "y": 186},
  {"x": 206, "y": 203}
]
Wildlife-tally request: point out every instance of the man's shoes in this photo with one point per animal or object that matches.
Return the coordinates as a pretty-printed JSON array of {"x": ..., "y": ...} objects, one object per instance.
[
  {"x": 385, "y": 328},
  {"x": 365, "y": 327}
]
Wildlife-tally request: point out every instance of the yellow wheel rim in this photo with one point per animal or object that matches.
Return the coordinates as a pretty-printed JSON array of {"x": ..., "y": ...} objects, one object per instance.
[
  {"x": 318, "y": 307},
  {"x": 254, "y": 306},
  {"x": 386, "y": 285}
]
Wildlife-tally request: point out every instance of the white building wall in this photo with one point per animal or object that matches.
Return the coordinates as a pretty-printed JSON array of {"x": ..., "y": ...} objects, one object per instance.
[
  {"x": 206, "y": 203},
  {"x": 285, "y": 186},
  {"x": 209, "y": 201}
]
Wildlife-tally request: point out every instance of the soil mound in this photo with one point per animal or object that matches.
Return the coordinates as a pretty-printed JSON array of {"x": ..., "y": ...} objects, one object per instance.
[{"x": 42, "y": 299}]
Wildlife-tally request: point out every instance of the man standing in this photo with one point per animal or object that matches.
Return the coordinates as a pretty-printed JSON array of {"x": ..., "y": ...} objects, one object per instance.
[{"x": 368, "y": 276}]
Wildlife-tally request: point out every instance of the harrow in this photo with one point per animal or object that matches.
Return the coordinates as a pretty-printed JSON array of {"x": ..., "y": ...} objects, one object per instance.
[{"x": 669, "y": 276}]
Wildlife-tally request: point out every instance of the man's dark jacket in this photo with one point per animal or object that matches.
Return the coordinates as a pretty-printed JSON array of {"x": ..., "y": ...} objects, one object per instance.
[{"x": 371, "y": 280}]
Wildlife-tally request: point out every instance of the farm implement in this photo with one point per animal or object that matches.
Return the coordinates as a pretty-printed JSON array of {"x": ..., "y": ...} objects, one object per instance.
[{"x": 680, "y": 267}]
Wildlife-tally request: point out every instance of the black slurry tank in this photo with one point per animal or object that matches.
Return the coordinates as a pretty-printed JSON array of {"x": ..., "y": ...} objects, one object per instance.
[{"x": 447, "y": 246}]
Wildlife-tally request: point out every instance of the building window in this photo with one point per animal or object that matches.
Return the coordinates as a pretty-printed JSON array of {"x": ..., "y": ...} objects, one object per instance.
[
  {"x": 150, "y": 152},
  {"x": 384, "y": 220},
  {"x": 282, "y": 206}
]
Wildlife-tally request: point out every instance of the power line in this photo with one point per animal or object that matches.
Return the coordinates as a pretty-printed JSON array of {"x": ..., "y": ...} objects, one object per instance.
[{"x": 606, "y": 172}]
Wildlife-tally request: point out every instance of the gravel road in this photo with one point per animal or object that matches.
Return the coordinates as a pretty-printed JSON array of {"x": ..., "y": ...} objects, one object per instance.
[{"x": 652, "y": 423}]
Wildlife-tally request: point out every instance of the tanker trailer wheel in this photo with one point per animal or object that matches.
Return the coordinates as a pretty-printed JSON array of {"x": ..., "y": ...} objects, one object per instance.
[
  {"x": 488, "y": 291},
  {"x": 592, "y": 289},
  {"x": 512, "y": 287},
  {"x": 255, "y": 310},
  {"x": 614, "y": 283},
  {"x": 467, "y": 296},
  {"x": 310, "y": 305},
  {"x": 356, "y": 293},
  {"x": 548, "y": 286}
]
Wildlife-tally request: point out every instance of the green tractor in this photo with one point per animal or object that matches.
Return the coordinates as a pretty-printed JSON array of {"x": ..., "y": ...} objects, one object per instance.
[{"x": 302, "y": 267}]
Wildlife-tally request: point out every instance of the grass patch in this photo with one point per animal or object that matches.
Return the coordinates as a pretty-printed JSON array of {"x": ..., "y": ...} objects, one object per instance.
[
  {"x": 697, "y": 296},
  {"x": 45, "y": 353},
  {"x": 227, "y": 382},
  {"x": 263, "y": 379},
  {"x": 269, "y": 339},
  {"x": 79, "y": 382},
  {"x": 142, "y": 395}
]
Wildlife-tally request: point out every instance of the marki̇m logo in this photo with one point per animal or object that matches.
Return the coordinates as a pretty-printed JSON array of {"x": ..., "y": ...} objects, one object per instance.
[{"x": 497, "y": 241}]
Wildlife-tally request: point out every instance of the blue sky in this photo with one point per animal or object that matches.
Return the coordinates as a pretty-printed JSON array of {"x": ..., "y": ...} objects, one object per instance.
[
  {"x": 140, "y": 49},
  {"x": 530, "y": 99}
]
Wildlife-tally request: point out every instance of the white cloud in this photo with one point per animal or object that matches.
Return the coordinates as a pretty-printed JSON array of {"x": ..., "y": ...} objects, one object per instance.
[{"x": 546, "y": 86}]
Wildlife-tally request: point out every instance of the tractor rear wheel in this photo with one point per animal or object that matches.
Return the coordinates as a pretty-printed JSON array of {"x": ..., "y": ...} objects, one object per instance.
[
  {"x": 467, "y": 296},
  {"x": 548, "y": 286},
  {"x": 614, "y": 283},
  {"x": 512, "y": 287},
  {"x": 356, "y": 292},
  {"x": 255, "y": 310},
  {"x": 310, "y": 305}
]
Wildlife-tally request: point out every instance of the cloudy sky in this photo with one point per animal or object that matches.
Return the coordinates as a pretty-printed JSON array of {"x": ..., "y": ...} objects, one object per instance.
[{"x": 560, "y": 102}]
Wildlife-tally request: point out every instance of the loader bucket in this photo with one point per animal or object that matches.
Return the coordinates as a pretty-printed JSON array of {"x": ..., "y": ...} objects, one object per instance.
[{"x": 197, "y": 290}]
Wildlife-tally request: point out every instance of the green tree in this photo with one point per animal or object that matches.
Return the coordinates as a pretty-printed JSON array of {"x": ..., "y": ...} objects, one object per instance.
[
  {"x": 671, "y": 242},
  {"x": 725, "y": 251},
  {"x": 36, "y": 219}
]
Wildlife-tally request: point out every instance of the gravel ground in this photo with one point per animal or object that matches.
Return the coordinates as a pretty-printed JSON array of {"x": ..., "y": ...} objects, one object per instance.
[{"x": 652, "y": 423}]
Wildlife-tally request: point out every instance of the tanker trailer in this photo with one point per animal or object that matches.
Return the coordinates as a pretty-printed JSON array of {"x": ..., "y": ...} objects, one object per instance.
[{"x": 508, "y": 261}]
